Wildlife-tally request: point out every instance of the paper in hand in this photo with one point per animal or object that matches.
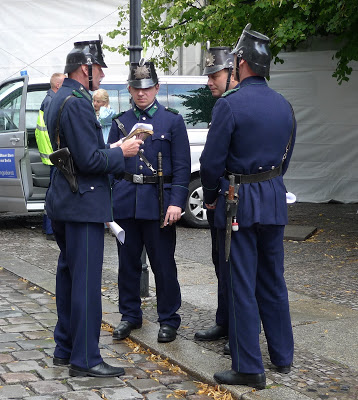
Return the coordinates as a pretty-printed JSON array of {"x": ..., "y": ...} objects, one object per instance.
[
  {"x": 140, "y": 131},
  {"x": 117, "y": 231}
]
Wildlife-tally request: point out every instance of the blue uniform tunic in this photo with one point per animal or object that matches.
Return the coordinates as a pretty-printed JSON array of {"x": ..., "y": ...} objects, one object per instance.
[
  {"x": 136, "y": 209},
  {"x": 77, "y": 220},
  {"x": 250, "y": 130}
]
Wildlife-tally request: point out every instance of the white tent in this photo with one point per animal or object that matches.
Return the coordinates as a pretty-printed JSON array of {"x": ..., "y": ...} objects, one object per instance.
[{"x": 324, "y": 165}]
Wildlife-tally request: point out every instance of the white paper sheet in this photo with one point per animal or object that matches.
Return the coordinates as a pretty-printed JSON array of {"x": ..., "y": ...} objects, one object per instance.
[{"x": 118, "y": 231}]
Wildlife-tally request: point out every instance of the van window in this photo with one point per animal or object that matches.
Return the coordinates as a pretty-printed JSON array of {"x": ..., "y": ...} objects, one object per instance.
[
  {"x": 194, "y": 103},
  {"x": 33, "y": 104},
  {"x": 10, "y": 103},
  {"x": 118, "y": 97}
]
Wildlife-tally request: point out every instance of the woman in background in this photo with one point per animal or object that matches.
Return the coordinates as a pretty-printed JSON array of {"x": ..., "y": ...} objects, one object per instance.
[{"x": 103, "y": 111}]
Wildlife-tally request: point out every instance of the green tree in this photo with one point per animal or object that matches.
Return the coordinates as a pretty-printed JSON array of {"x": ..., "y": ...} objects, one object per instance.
[{"x": 167, "y": 25}]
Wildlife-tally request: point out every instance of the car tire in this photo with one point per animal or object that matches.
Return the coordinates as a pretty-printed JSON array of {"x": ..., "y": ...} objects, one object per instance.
[{"x": 195, "y": 213}]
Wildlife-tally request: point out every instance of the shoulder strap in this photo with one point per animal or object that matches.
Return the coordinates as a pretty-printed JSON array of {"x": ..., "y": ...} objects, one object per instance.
[
  {"x": 121, "y": 127},
  {"x": 57, "y": 132}
]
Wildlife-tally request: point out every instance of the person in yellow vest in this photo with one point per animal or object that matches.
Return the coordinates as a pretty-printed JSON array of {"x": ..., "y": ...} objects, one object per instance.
[{"x": 43, "y": 140}]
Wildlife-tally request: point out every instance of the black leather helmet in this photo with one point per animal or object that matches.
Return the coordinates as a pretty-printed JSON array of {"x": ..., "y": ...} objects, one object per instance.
[
  {"x": 253, "y": 47},
  {"x": 217, "y": 58},
  {"x": 88, "y": 52},
  {"x": 142, "y": 75}
]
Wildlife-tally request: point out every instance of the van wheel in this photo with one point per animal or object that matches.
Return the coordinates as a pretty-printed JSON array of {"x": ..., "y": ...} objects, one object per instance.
[{"x": 195, "y": 214}]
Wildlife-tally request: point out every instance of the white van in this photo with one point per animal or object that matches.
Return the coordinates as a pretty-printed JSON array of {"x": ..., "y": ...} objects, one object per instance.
[{"x": 24, "y": 178}]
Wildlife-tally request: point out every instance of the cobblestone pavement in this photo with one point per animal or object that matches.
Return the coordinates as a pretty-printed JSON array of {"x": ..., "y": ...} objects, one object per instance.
[
  {"x": 322, "y": 267},
  {"x": 27, "y": 319}
]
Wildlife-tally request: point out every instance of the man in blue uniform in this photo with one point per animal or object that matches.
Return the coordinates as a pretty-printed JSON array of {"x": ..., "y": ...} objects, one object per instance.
[
  {"x": 137, "y": 207},
  {"x": 250, "y": 141},
  {"x": 78, "y": 212},
  {"x": 219, "y": 68}
]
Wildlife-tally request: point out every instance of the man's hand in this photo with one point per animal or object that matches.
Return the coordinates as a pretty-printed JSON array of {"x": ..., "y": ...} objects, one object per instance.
[
  {"x": 172, "y": 216},
  {"x": 129, "y": 147},
  {"x": 211, "y": 206}
]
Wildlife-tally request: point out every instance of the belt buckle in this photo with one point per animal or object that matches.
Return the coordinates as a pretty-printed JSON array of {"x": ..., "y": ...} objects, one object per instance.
[{"x": 138, "y": 178}]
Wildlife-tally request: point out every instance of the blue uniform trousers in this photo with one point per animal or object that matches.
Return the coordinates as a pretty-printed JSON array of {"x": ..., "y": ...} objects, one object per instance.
[
  {"x": 222, "y": 310},
  {"x": 160, "y": 247},
  {"x": 257, "y": 288},
  {"x": 78, "y": 292}
]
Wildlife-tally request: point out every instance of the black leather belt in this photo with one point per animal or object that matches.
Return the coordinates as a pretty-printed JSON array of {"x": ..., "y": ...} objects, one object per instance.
[
  {"x": 254, "y": 178},
  {"x": 142, "y": 179}
]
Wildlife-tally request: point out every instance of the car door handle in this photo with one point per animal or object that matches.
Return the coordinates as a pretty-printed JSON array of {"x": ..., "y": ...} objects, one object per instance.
[{"x": 14, "y": 140}]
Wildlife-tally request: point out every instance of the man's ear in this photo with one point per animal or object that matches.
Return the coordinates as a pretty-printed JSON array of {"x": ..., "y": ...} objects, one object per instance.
[{"x": 84, "y": 69}]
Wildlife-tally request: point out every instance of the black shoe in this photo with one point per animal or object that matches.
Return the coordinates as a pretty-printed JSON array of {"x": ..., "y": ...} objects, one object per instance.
[
  {"x": 166, "y": 334},
  {"x": 283, "y": 369},
  {"x": 214, "y": 333},
  {"x": 50, "y": 237},
  {"x": 231, "y": 377},
  {"x": 60, "y": 361},
  {"x": 227, "y": 349},
  {"x": 124, "y": 329},
  {"x": 101, "y": 370}
]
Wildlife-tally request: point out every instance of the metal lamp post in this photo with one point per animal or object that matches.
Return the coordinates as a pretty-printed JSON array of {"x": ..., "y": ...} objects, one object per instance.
[{"x": 135, "y": 48}]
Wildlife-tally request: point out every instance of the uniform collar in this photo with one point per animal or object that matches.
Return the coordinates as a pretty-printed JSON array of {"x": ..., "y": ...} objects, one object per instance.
[
  {"x": 253, "y": 80},
  {"x": 149, "y": 111},
  {"x": 72, "y": 83}
]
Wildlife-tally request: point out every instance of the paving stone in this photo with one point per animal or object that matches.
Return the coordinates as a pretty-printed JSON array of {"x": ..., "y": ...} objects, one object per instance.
[
  {"x": 84, "y": 395},
  {"x": 150, "y": 366},
  {"x": 43, "y": 398},
  {"x": 120, "y": 348},
  {"x": 22, "y": 328},
  {"x": 107, "y": 353},
  {"x": 133, "y": 372},
  {"x": 15, "y": 298},
  {"x": 58, "y": 373},
  {"x": 48, "y": 323},
  {"x": 33, "y": 308},
  {"x": 161, "y": 395},
  {"x": 117, "y": 362},
  {"x": 189, "y": 386},
  {"x": 13, "y": 392},
  {"x": 3, "y": 322},
  {"x": 28, "y": 355},
  {"x": 48, "y": 387},
  {"x": 6, "y": 358},
  {"x": 45, "y": 334},
  {"x": 168, "y": 378},
  {"x": 37, "y": 344},
  {"x": 18, "y": 377},
  {"x": 145, "y": 385},
  {"x": 80, "y": 383},
  {"x": 121, "y": 394},
  {"x": 20, "y": 320},
  {"x": 10, "y": 337},
  {"x": 23, "y": 366},
  {"x": 7, "y": 347},
  {"x": 137, "y": 357},
  {"x": 46, "y": 315}
]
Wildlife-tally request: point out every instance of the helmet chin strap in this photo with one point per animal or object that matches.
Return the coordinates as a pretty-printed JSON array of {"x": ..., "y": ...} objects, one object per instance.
[
  {"x": 228, "y": 78},
  {"x": 90, "y": 77},
  {"x": 237, "y": 70}
]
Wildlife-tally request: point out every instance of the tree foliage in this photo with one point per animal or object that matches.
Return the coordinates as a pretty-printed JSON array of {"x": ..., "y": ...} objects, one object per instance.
[{"x": 166, "y": 25}]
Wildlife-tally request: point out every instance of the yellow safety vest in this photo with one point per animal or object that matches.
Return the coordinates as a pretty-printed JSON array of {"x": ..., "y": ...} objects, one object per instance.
[{"x": 43, "y": 139}]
